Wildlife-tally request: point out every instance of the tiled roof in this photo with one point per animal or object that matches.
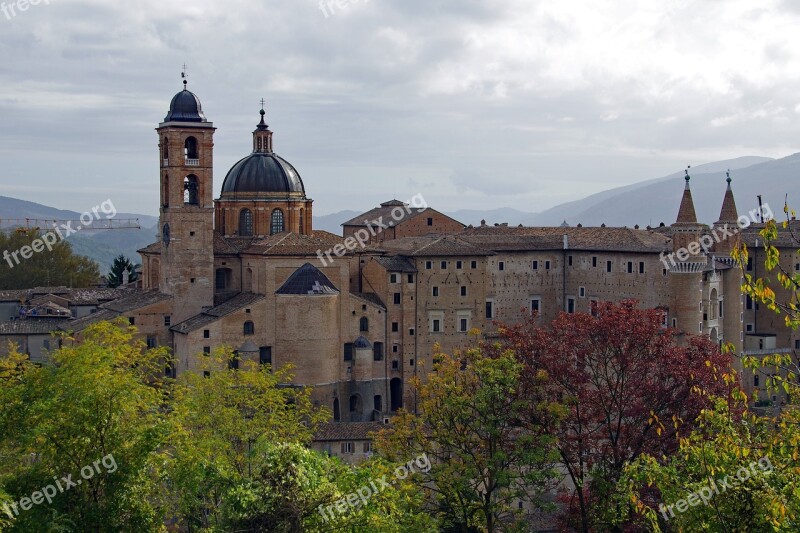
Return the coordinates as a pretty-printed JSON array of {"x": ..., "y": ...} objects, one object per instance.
[
  {"x": 503, "y": 238},
  {"x": 434, "y": 246},
  {"x": 215, "y": 313},
  {"x": 370, "y": 297},
  {"x": 384, "y": 214},
  {"x": 336, "y": 431},
  {"x": 32, "y": 326},
  {"x": 784, "y": 240},
  {"x": 230, "y": 245},
  {"x": 154, "y": 248},
  {"x": 394, "y": 263},
  {"x": 136, "y": 300},
  {"x": 294, "y": 244},
  {"x": 307, "y": 280},
  {"x": 79, "y": 324},
  {"x": 87, "y": 296}
]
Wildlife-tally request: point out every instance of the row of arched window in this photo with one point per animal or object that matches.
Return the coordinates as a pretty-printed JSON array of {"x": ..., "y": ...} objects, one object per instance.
[{"x": 277, "y": 223}]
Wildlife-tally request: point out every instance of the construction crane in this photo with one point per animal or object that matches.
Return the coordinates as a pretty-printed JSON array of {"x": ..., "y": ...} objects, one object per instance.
[{"x": 27, "y": 224}]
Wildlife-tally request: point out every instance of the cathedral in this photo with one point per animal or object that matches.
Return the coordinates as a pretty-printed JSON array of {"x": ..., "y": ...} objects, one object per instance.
[{"x": 247, "y": 271}]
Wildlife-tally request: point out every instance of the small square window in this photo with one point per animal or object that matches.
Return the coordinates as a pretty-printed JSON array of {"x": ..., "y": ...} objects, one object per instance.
[
  {"x": 167, "y": 320},
  {"x": 206, "y": 374},
  {"x": 444, "y": 265},
  {"x": 132, "y": 320},
  {"x": 459, "y": 265},
  {"x": 395, "y": 348},
  {"x": 411, "y": 332},
  {"x": 436, "y": 291},
  {"x": 410, "y": 362},
  {"x": 393, "y": 278},
  {"x": 206, "y": 334},
  {"x": 206, "y": 350},
  {"x": 411, "y": 278},
  {"x": 428, "y": 265},
  {"x": 473, "y": 264},
  {"x": 395, "y": 327},
  {"x": 463, "y": 290}
]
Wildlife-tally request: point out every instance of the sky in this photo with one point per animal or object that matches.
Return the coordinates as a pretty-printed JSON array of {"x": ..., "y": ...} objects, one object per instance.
[{"x": 475, "y": 104}]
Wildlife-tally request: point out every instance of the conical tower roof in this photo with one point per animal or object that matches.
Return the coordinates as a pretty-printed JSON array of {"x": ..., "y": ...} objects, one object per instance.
[
  {"x": 687, "y": 214},
  {"x": 729, "y": 214}
]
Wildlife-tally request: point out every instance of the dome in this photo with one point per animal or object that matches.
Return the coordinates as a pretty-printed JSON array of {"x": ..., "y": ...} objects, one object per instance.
[
  {"x": 263, "y": 172},
  {"x": 185, "y": 107}
]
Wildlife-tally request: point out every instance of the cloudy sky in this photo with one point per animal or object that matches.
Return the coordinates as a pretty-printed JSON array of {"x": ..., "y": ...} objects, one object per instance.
[{"x": 473, "y": 103}]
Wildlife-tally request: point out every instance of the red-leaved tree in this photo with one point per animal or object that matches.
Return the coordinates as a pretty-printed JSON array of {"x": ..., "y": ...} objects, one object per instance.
[{"x": 627, "y": 385}]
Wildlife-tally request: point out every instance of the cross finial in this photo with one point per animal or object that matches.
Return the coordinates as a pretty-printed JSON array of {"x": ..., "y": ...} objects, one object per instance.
[
  {"x": 262, "y": 104},
  {"x": 184, "y": 75}
]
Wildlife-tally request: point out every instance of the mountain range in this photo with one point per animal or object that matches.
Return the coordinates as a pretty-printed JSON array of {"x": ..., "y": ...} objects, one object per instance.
[{"x": 646, "y": 203}]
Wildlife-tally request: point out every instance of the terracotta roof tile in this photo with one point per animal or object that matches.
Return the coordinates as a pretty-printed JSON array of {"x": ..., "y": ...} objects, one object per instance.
[{"x": 336, "y": 431}]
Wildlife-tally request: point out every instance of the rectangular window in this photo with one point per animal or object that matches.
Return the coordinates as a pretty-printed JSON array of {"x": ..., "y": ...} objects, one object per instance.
[
  {"x": 720, "y": 309},
  {"x": 206, "y": 350},
  {"x": 594, "y": 261},
  {"x": 749, "y": 264},
  {"x": 473, "y": 264},
  {"x": 797, "y": 345},
  {"x": 411, "y": 332},
  {"x": 630, "y": 267},
  {"x": 748, "y": 302},
  {"x": 206, "y": 374},
  {"x": 348, "y": 351},
  {"x": 132, "y": 321},
  {"x": 436, "y": 325},
  {"x": 535, "y": 265},
  {"x": 152, "y": 342},
  {"x": 463, "y": 324},
  {"x": 167, "y": 320},
  {"x": 395, "y": 364},
  {"x": 570, "y": 305},
  {"x": 489, "y": 309},
  {"x": 502, "y": 265},
  {"x": 377, "y": 351},
  {"x": 569, "y": 260},
  {"x": 436, "y": 291},
  {"x": 641, "y": 267},
  {"x": 582, "y": 292},
  {"x": 368, "y": 445},
  {"x": 536, "y": 305},
  {"x": 410, "y": 362},
  {"x": 547, "y": 265},
  {"x": 397, "y": 298},
  {"x": 393, "y": 278},
  {"x": 430, "y": 221},
  {"x": 395, "y": 348},
  {"x": 428, "y": 265},
  {"x": 444, "y": 265},
  {"x": 608, "y": 266},
  {"x": 593, "y": 303},
  {"x": 347, "y": 447},
  {"x": 206, "y": 333},
  {"x": 265, "y": 355},
  {"x": 411, "y": 278},
  {"x": 459, "y": 265},
  {"x": 756, "y": 381},
  {"x": 749, "y": 328},
  {"x": 463, "y": 290},
  {"x": 395, "y": 327}
]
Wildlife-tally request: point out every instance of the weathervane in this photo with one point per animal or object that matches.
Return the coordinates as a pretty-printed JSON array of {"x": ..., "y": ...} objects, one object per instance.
[
  {"x": 687, "y": 173},
  {"x": 728, "y": 173}
]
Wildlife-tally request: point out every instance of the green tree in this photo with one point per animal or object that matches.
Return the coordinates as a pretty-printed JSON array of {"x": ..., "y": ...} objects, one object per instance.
[
  {"x": 483, "y": 458},
  {"x": 116, "y": 274},
  {"x": 54, "y": 264},
  {"x": 97, "y": 406}
]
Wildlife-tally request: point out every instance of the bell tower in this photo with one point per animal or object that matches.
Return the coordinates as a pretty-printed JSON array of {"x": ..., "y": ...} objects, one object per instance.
[{"x": 186, "y": 149}]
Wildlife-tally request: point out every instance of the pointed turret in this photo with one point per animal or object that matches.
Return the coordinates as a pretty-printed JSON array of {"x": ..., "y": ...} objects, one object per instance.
[
  {"x": 686, "y": 213},
  {"x": 729, "y": 214}
]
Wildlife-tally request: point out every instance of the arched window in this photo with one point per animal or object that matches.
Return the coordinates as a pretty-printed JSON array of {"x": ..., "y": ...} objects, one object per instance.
[
  {"x": 396, "y": 388},
  {"x": 190, "y": 149},
  {"x": 165, "y": 151},
  {"x": 378, "y": 402},
  {"x": 249, "y": 328},
  {"x": 246, "y": 223},
  {"x": 190, "y": 190},
  {"x": 713, "y": 304},
  {"x": 363, "y": 324},
  {"x": 355, "y": 403},
  {"x": 336, "y": 414},
  {"x": 302, "y": 221},
  {"x": 277, "y": 222},
  {"x": 165, "y": 192}
]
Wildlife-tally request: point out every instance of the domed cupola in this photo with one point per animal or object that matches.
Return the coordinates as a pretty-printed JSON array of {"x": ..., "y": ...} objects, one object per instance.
[
  {"x": 263, "y": 173},
  {"x": 263, "y": 194},
  {"x": 185, "y": 107}
]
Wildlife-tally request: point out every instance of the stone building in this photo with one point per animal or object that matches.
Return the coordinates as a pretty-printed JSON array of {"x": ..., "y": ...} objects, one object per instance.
[{"x": 249, "y": 272}]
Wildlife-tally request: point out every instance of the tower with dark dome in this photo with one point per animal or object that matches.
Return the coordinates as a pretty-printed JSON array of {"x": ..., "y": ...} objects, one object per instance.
[
  {"x": 263, "y": 194},
  {"x": 186, "y": 262}
]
